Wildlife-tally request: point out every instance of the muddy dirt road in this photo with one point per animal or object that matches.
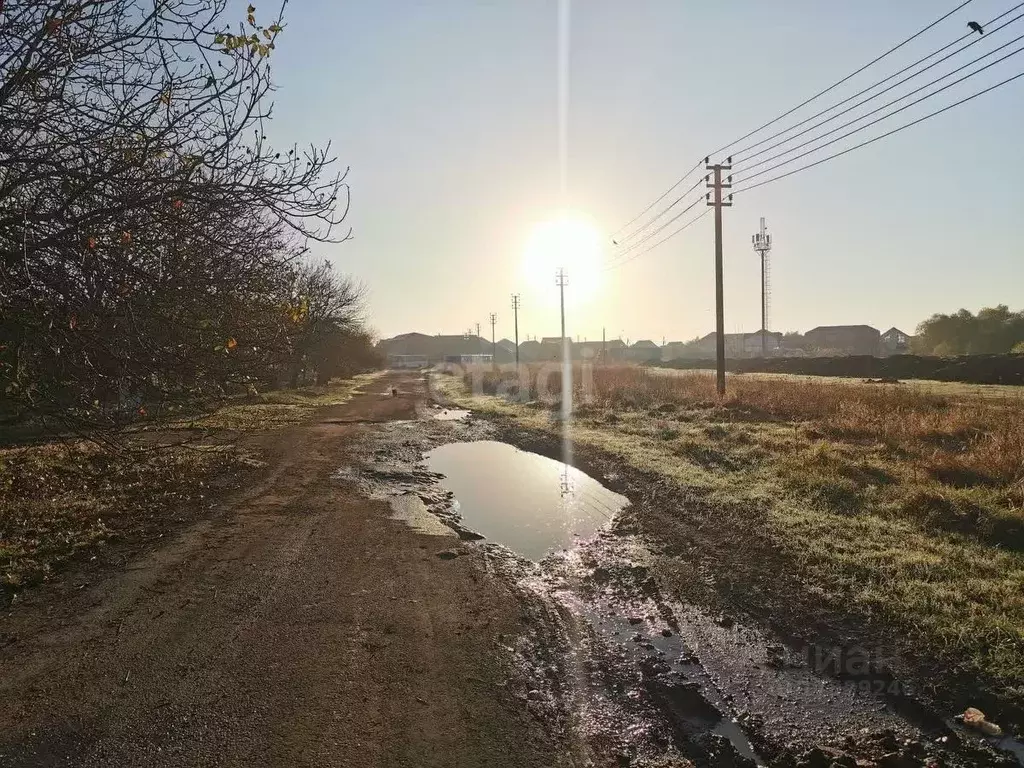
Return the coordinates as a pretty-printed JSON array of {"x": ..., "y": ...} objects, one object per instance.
[
  {"x": 298, "y": 626},
  {"x": 409, "y": 585}
]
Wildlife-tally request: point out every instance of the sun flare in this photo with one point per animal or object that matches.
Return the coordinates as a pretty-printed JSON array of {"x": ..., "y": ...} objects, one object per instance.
[{"x": 571, "y": 242}]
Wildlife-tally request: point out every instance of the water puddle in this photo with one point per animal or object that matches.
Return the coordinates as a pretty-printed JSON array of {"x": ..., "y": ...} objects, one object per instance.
[{"x": 530, "y": 503}]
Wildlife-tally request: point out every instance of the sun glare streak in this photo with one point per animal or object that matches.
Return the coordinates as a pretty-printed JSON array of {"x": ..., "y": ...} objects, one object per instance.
[{"x": 572, "y": 244}]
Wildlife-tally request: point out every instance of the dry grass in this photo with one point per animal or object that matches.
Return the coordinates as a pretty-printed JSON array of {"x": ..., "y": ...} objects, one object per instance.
[
  {"x": 899, "y": 505},
  {"x": 63, "y": 500},
  {"x": 960, "y": 441},
  {"x": 59, "y": 500}
]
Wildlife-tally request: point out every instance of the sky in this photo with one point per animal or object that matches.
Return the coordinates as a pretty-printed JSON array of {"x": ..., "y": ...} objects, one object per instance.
[{"x": 447, "y": 113}]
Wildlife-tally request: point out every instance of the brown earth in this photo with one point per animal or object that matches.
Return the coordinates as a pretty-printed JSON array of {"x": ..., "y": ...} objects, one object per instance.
[
  {"x": 968, "y": 369},
  {"x": 296, "y": 626}
]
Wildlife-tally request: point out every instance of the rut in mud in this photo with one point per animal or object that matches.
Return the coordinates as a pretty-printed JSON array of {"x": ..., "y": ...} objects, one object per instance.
[{"x": 636, "y": 675}]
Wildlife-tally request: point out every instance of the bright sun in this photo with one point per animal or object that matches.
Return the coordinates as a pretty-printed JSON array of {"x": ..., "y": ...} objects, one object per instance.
[{"x": 570, "y": 241}]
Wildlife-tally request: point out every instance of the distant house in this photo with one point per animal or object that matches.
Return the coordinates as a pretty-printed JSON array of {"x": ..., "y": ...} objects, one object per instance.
[
  {"x": 753, "y": 346},
  {"x": 550, "y": 349},
  {"x": 644, "y": 351},
  {"x": 896, "y": 342},
  {"x": 433, "y": 348},
  {"x": 505, "y": 351},
  {"x": 587, "y": 350},
  {"x": 529, "y": 351},
  {"x": 677, "y": 349},
  {"x": 598, "y": 351},
  {"x": 844, "y": 339},
  {"x": 740, "y": 344}
]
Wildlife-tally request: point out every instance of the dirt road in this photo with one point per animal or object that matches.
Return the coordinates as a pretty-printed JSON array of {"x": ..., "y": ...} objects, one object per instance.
[{"x": 297, "y": 626}]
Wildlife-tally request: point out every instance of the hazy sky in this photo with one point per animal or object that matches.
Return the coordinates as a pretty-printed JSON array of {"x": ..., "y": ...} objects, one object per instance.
[{"x": 447, "y": 112}]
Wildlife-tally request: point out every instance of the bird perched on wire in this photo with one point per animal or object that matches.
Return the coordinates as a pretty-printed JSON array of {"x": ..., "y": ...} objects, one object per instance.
[{"x": 975, "y": 27}]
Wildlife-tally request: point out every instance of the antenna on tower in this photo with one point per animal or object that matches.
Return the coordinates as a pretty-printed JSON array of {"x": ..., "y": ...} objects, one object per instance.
[{"x": 763, "y": 245}]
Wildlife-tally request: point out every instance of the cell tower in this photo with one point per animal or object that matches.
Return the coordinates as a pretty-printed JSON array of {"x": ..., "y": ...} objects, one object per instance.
[{"x": 763, "y": 245}]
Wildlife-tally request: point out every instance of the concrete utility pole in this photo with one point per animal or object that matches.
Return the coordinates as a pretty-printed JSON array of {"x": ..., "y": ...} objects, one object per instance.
[
  {"x": 494, "y": 347},
  {"x": 515, "y": 310},
  {"x": 718, "y": 185},
  {"x": 562, "y": 280},
  {"x": 763, "y": 245}
]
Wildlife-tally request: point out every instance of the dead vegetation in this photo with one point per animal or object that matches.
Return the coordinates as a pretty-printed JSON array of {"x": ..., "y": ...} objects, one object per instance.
[
  {"x": 62, "y": 500},
  {"x": 899, "y": 506}
]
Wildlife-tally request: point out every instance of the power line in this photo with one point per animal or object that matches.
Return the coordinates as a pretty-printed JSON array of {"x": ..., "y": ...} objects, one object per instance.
[
  {"x": 664, "y": 226},
  {"x": 886, "y": 90},
  {"x": 664, "y": 194},
  {"x": 882, "y": 136},
  {"x": 840, "y": 82},
  {"x": 900, "y": 98},
  {"x": 622, "y": 241},
  {"x": 616, "y": 236},
  {"x": 664, "y": 240},
  {"x": 873, "y": 122}
]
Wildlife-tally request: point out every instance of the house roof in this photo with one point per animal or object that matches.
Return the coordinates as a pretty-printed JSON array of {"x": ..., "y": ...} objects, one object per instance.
[
  {"x": 894, "y": 328},
  {"x": 842, "y": 328},
  {"x": 644, "y": 344},
  {"x": 407, "y": 336},
  {"x": 734, "y": 336},
  {"x": 554, "y": 340}
]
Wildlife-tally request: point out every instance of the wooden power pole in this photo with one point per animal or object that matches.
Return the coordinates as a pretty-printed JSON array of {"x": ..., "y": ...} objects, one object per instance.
[{"x": 718, "y": 185}]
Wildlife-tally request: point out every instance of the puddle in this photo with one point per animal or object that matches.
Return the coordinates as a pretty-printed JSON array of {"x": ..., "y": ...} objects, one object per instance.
[{"x": 531, "y": 504}]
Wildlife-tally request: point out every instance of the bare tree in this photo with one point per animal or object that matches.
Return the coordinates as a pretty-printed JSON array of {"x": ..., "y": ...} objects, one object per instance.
[{"x": 149, "y": 233}]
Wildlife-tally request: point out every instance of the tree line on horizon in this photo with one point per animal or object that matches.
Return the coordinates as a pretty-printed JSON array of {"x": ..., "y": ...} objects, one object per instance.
[
  {"x": 992, "y": 331},
  {"x": 153, "y": 242}
]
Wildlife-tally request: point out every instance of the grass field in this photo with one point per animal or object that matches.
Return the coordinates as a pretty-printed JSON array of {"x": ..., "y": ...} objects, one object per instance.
[
  {"x": 62, "y": 498},
  {"x": 902, "y": 506}
]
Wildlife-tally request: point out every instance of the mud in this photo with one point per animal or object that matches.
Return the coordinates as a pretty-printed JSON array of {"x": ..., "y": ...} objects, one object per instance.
[{"x": 640, "y": 677}]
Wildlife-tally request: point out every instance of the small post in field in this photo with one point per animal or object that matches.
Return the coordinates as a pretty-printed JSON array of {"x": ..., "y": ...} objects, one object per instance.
[{"x": 718, "y": 185}]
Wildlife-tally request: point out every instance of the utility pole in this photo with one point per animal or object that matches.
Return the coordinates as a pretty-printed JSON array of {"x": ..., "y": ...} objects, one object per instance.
[
  {"x": 494, "y": 347},
  {"x": 718, "y": 185},
  {"x": 763, "y": 245},
  {"x": 515, "y": 310},
  {"x": 561, "y": 280}
]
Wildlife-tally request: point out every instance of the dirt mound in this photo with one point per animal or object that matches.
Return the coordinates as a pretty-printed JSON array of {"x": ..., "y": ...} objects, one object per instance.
[{"x": 968, "y": 369}]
